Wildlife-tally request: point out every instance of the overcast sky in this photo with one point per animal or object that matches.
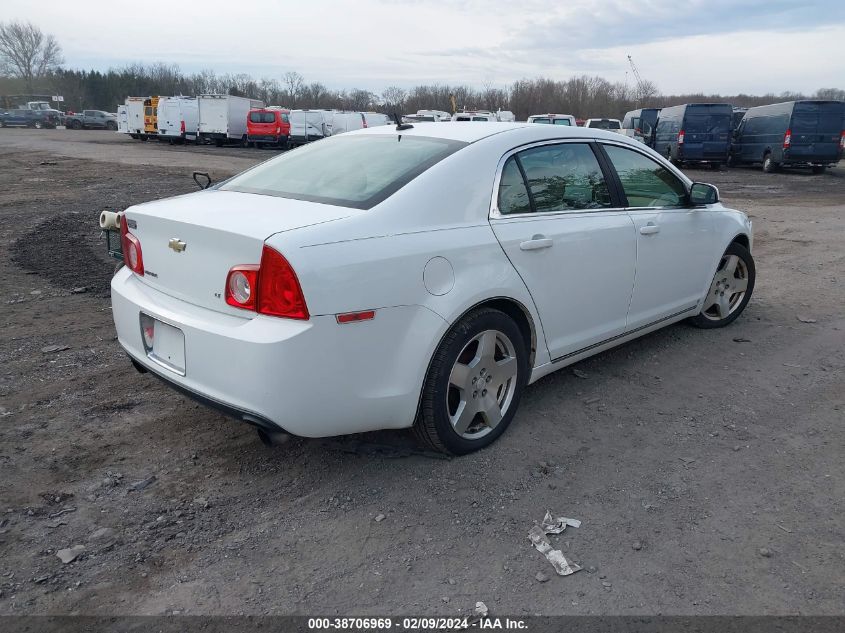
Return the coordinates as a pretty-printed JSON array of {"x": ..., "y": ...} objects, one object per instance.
[{"x": 713, "y": 46}]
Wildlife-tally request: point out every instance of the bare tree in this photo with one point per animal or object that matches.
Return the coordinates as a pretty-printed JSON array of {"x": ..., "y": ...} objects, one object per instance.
[
  {"x": 28, "y": 53},
  {"x": 394, "y": 97},
  {"x": 293, "y": 83}
]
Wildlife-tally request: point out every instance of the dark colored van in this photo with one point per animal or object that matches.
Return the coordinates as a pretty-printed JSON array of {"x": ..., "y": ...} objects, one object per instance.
[
  {"x": 640, "y": 124},
  {"x": 736, "y": 119},
  {"x": 793, "y": 134},
  {"x": 694, "y": 133}
]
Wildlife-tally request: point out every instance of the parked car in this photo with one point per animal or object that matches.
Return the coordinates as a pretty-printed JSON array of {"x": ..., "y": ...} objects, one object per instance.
[
  {"x": 177, "y": 119},
  {"x": 791, "y": 134},
  {"x": 694, "y": 133},
  {"x": 639, "y": 124},
  {"x": 269, "y": 126},
  {"x": 604, "y": 124},
  {"x": 25, "y": 117},
  {"x": 91, "y": 120},
  {"x": 420, "y": 277},
  {"x": 222, "y": 118},
  {"x": 553, "y": 119},
  {"x": 484, "y": 116}
]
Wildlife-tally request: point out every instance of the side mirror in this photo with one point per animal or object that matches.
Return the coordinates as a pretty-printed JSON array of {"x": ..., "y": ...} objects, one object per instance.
[
  {"x": 198, "y": 175},
  {"x": 701, "y": 194}
]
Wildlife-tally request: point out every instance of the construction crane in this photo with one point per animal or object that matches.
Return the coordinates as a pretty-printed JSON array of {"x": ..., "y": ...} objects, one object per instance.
[{"x": 638, "y": 78}]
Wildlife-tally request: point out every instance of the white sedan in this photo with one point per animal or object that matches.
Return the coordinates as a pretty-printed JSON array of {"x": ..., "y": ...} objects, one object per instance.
[{"x": 420, "y": 276}]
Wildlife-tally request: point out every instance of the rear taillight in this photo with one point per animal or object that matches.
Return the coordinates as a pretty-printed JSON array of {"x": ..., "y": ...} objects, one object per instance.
[
  {"x": 787, "y": 139},
  {"x": 182, "y": 127},
  {"x": 842, "y": 140},
  {"x": 681, "y": 137},
  {"x": 271, "y": 288},
  {"x": 242, "y": 287},
  {"x": 132, "y": 256}
]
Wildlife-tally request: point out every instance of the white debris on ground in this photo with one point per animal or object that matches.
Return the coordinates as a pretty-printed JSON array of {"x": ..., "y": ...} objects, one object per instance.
[{"x": 538, "y": 538}]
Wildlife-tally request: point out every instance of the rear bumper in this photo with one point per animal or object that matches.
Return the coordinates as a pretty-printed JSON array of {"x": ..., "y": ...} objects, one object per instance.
[
  {"x": 266, "y": 138},
  {"x": 310, "y": 378}
]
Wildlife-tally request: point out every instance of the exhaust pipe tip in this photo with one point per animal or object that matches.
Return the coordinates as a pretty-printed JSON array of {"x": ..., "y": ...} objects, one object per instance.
[{"x": 268, "y": 438}]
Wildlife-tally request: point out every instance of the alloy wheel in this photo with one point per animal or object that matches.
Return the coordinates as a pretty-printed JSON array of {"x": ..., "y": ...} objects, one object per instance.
[
  {"x": 482, "y": 384},
  {"x": 727, "y": 290}
]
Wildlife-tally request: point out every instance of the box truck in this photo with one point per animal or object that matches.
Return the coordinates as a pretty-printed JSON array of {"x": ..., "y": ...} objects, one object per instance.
[
  {"x": 135, "y": 117},
  {"x": 222, "y": 118}
]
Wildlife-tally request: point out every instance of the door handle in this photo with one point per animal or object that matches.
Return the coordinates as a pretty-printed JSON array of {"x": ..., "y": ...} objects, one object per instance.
[
  {"x": 649, "y": 229},
  {"x": 536, "y": 243}
]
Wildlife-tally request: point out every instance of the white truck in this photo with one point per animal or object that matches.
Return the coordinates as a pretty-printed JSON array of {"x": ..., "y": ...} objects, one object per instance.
[
  {"x": 222, "y": 118},
  {"x": 135, "y": 117},
  {"x": 178, "y": 119},
  {"x": 122, "y": 120}
]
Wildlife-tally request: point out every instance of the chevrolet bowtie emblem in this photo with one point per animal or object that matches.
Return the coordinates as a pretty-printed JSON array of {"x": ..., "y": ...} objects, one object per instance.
[{"x": 177, "y": 245}]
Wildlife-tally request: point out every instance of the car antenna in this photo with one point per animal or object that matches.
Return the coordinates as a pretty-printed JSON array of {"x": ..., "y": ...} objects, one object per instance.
[{"x": 401, "y": 126}]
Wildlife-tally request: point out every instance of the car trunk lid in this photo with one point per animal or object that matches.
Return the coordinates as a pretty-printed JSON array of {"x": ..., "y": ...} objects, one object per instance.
[{"x": 190, "y": 243}]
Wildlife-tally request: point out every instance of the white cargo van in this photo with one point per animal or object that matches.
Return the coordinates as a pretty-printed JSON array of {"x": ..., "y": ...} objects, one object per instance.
[
  {"x": 222, "y": 118},
  {"x": 122, "y": 120},
  {"x": 310, "y": 125},
  {"x": 346, "y": 122},
  {"x": 374, "y": 119},
  {"x": 178, "y": 118},
  {"x": 135, "y": 117}
]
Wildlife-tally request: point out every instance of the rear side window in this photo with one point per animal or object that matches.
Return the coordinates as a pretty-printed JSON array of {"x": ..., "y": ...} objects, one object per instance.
[
  {"x": 285, "y": 118},
  {"x": 348, "y": 171},
  {"x": 564, "y": 177},
  {"x": 646, "y": 182},
  {"x": 513, "y": 195}
]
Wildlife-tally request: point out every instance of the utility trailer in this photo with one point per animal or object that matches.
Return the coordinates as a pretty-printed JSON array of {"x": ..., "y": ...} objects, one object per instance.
[{"x": 222, "y": 118}]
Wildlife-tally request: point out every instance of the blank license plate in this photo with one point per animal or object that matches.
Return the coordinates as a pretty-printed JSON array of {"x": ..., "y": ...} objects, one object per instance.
[{"x": 168, "y": 347}]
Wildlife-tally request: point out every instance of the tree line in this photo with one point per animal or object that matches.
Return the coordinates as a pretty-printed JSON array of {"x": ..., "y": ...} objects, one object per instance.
[{"x": 31, "y": 65}]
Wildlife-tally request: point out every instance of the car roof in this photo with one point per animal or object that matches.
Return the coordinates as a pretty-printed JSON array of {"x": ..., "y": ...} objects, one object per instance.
[{"x": 470, "y": 132}]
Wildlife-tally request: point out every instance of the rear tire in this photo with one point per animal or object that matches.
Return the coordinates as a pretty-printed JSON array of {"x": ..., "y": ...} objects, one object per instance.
[
  {"x": 474, "y": 384},
  {"x": 769, "y": 165},
  {"x": 76, "y": 125},
  {"x": 730, "y": 289}
]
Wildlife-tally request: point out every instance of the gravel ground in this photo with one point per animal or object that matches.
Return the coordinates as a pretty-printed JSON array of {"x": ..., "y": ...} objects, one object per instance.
[{"x": 706, "y": 466}]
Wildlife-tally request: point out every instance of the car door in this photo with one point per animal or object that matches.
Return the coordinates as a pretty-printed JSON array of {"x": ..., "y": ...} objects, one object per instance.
[
  {"x": 569, "y": 240},
  {"x": 675, "y": 241}
]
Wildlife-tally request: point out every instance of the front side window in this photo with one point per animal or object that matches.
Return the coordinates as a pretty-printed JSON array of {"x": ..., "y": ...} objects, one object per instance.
[
  {"x": 646, "y": 182},
  {"x": 348, "y": 171},
  {"x": 564, "y": 177}
]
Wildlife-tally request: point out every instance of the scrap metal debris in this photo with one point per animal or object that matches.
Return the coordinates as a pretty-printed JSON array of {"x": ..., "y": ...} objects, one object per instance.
[
  {"x": 140, "y": 485},
  {"x": 537, "y": 536},
  {"x": 481, "y": 609},
  {"x": 70, "y": 554}
]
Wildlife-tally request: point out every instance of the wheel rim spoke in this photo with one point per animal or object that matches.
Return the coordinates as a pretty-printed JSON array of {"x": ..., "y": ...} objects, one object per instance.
[
  {"x": 463, "y": 417},
  {"x": 460, "y": 376},
  {"x": 739, "y": 284},
  {"x": 490, "y": 411},
  {"x": 486, "y": 345},
  {"x": 730, "y": 265},
  {"x": 723, "y": 305},
  {"x": 505, "y": 369}
]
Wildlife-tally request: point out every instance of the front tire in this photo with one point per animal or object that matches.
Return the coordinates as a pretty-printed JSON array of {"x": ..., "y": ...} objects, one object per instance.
[
  {"x": 730, "y": 289},
  {"x": 474, "y": 384}
]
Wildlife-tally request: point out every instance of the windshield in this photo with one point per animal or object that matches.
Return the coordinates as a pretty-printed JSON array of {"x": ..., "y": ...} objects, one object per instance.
[{"x": 347, "y": 171}]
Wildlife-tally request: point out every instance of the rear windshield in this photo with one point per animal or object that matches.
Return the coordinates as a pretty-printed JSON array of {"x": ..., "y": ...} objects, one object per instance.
[
  {"x": 347, "y": 171},
  {"x": 262, "y": 117},
  {"x": 817, "y": 118},
  {"x": 605, "y": 124},
  {"x": 543, "y": 120},
  {"x": 695, "y": 123},
  {"x": 563, "y": 122}
]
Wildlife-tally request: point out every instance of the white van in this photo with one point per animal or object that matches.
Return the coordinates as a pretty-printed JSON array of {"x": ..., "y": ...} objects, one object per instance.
[
  {"x": 480, "y": 115},
  {"x": 553, "y": 119},
  {"x": 310, "y": 125},
  {"x": 178, "y": 118},
  {"x": 122, "y": 120},
  {"x": 374, "y": 119},
  {"x": 346, "y": 122},
  {"x": 505, "y": 116},
  {"x": 135, "y": 117},
  {"x": 222, "y": 118}
]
